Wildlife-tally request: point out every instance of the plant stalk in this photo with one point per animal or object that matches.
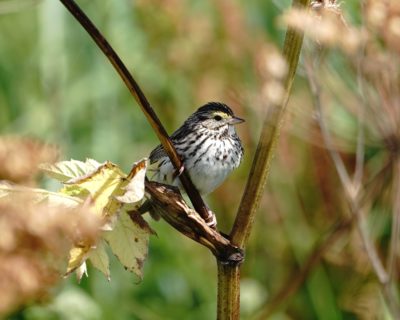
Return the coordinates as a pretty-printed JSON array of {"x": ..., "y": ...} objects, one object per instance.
[
  {"x": 144, "y": 104},
  {"x": 229, "y": 275},
  {"x": 228, "y": 292}
]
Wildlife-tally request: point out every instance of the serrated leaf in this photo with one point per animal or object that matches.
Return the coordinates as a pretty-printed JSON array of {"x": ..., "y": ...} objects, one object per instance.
[
  {"x": 107, "y": 184},
  {"x": 104, "y": 184},
  {"x": 134, "y": 190},
  {"x": 66, "y": 170},
  {"x": 129, "y": 242},
  {"x": 99, "y": 259}
]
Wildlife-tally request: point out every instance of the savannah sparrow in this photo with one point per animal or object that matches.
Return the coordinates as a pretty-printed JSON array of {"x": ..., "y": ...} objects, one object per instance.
[{"x": 208, "y": 145}]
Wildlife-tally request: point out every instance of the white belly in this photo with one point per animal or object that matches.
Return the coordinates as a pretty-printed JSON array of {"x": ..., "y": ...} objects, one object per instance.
[{"x": 207, "y": 171}]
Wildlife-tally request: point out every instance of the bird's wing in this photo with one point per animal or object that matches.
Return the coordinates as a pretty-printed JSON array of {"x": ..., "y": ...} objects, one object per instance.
[
  {"x": 157, "y": 154},
  {"x": 159, "y": 151}
]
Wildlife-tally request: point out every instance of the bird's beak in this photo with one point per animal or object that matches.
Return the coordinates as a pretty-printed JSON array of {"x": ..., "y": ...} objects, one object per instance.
[{"x": 235, "y": 120}]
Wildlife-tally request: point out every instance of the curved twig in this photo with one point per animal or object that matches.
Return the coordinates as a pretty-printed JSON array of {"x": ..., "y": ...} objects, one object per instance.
[
  {"x": 144, "y": 104},
  {"x": 173, "y": 209}
]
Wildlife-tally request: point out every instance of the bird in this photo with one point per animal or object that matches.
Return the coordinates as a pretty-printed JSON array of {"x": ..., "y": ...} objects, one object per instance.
[{"x": 208, "y": 145}]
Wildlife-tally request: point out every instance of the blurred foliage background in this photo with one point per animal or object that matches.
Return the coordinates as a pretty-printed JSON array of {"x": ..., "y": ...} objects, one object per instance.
[{"x": 56, "y": 85}]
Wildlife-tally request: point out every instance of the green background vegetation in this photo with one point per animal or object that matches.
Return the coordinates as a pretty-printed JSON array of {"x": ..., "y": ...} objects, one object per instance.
[{"x": 56, "y": 85}]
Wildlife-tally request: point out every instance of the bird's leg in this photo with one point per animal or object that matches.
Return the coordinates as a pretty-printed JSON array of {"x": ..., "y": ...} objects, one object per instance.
[
  {"x": 211, "y": 219},
  {"x": 178, "y": 172},
  {"x": 181, "y": 169}
]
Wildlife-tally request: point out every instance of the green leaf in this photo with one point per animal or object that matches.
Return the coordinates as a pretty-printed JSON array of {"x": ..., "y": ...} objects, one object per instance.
[
  {"x": 129, "y": 241},
  {"x": 66, "y": 170},
  {"x": 99, "y": 259}
]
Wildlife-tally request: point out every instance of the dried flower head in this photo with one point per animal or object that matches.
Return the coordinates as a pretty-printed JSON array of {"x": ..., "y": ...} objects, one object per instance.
[
  {"x": 34, "y": 246},
  {"x": 383, "y": 21},
  {"x": 272, "y": 68},
  {"x": 319, "y": 5},
  {"x": 326, "y": 25},
  {"x": 20, "y": 157}
]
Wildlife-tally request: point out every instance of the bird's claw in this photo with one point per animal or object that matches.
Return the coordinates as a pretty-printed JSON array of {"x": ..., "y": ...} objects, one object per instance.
[
  {"x": 211, "y": 219},
  {"x": 178, "y": 172},
  {"x": 181, "y": 169}
]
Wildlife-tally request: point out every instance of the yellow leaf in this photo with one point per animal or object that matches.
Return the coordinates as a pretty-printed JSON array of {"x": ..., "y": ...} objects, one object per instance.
[
  {"x": 103, "y": 184},
  {"x": 77, "y": 257},
  {"x": 129, "y": 241},
  {"x": 99, "y": 259},
  {"x": 105, "y": 188},
  {"x": 66, "y": 170},
  {"x": 134, "y": 190}
]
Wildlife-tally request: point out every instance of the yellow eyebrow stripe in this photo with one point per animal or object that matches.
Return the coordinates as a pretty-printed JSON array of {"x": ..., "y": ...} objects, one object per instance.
[{"x": 221, "y": 114}]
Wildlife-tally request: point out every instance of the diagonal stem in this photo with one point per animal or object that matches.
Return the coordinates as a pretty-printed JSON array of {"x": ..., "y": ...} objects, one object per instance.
[
  {"x": 352, "y": 197},
  {"x": 144, "y": 104},
  {"x": 266, "y": 146},
  {"x": 395, "y": 234},
  {"x": 229, "y": 275}
]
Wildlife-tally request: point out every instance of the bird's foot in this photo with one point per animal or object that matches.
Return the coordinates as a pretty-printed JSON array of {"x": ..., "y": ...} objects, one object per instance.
[
  {"x": 211, "y": 219},
  {"x": 178, "y": 172}
]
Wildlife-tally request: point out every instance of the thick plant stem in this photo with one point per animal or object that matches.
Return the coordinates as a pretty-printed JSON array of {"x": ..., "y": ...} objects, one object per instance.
[
  {"x": 229, "y": 275},
  {"x": 228, "y": 290},
  {"x": 266, "y": 144}
]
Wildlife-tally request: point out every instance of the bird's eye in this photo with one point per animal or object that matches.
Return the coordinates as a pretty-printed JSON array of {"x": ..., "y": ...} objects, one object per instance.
[{"x": 218, "y": 118}]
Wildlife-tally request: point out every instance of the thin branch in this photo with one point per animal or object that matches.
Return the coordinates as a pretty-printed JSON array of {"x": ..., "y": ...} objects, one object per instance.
[
  {"x": 351, "y": 195},
  {"x": 337, "y": 160},
  {"x": 360, "y": 150},
  {"x": 392, "y": 259},
  {"x": 144, "y": 104},
  {"x": 395, "y": 234}
]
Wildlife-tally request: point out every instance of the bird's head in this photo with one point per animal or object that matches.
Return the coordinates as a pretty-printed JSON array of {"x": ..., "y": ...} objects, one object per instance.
[{"x": 215, "y": 116}]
